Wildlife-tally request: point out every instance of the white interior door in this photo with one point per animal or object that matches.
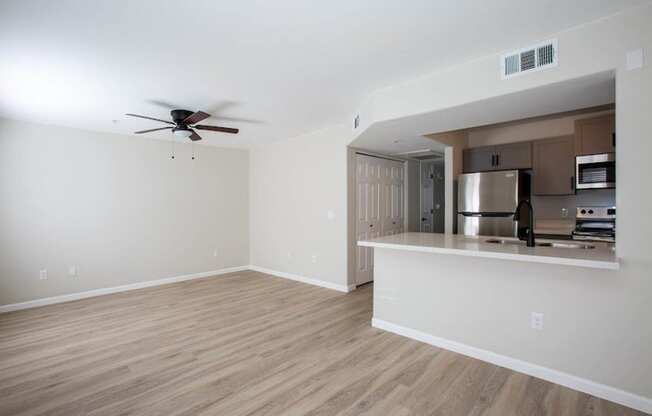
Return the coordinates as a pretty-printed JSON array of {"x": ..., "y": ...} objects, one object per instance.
[
  {"x": 380, "y": 206},
  {"x": 393, "y": 212}
]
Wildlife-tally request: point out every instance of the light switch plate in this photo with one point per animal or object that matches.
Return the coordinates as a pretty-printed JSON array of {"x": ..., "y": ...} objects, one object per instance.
[
  {"x": 536, "y": 321},
  {"x": 635, "y": 59}
]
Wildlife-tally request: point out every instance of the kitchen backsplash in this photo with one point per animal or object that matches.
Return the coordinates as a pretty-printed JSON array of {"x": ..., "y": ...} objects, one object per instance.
[{"x": 551, "y": 207}]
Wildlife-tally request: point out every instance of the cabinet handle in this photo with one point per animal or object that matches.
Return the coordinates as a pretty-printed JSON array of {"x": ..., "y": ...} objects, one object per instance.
[
  {"x": 493, "y": 160},
  {"x": 572, "y": 180},
  {"x": 613, "y": 139},
  {"x": 498, "y": 160}
]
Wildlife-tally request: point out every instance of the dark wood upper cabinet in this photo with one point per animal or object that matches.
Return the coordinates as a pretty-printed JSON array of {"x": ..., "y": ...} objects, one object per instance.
[
  {"x": 502, "y": 157},
  {"x": 479, "y": 159},
  {"x": 553, "y": 166},
  {"x": 514, "y": 156},
  {"x": 595, "y": 135}
]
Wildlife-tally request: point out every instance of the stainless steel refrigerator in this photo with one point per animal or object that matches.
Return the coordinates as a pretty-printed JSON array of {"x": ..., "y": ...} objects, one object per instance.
[{"x": 486, "y": 202}]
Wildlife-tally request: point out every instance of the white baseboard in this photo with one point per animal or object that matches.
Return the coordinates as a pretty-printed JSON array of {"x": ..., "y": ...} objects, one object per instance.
[
  {"x": 602, "y": 391},
  {"x": 310, "y": 281},
  {"x": 106, "y": 291},
  {"x": 140, "y": 285}
]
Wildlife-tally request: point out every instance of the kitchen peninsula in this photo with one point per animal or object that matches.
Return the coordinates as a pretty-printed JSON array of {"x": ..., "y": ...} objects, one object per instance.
[{"x": 488, "y": 299}]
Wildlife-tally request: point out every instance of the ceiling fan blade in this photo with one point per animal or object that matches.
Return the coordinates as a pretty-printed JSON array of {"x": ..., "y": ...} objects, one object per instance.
[
  {"x": 194, "y": 136},
  {"x": 237, "y": 119},
  {"x": 196, "y": 117},
  {"x": 217, "y": 128},
  {"x": 147, "y": 131},
  {"x": 149, "y": 118}
]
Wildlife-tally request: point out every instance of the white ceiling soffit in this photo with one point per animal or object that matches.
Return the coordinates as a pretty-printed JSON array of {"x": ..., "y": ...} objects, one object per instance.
[
  {"x": 585, "y": 92},
  {"x": 289, "y": 66}
]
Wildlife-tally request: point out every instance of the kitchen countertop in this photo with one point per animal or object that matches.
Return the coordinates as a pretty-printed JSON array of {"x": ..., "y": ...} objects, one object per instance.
[{"x": 603, "y": 256}]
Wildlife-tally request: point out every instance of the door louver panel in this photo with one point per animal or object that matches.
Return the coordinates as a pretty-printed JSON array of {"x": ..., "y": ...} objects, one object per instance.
[{"x": 530, "y": 59}]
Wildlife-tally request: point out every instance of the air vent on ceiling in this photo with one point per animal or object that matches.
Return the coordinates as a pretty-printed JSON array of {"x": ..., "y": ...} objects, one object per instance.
[{"x": 531, "y": 59}]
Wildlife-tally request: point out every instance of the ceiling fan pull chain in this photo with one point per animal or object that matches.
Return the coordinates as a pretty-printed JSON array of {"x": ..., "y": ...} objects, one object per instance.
[
  {"x": 172, "y": 148},
  {"x": 193, "y": 150}
]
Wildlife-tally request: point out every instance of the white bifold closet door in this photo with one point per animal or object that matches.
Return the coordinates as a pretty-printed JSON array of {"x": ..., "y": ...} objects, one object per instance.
[{"x": 380, "y": 206}]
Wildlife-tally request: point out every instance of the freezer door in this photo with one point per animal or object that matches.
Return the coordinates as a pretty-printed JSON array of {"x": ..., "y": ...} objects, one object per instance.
[
  {"x": 488, "y": 191},
  {"x": 504, "y": 226}
]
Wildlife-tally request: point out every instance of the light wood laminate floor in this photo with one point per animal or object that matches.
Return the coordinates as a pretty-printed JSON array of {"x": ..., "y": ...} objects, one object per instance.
[{"x": 249, "y": 344}]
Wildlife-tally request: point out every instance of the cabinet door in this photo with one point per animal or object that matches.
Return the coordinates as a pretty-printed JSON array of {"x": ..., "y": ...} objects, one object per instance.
[
  {"x": 553, "y": 166},
  {"x": 514, "y": 156},
  {"x": 479, "y": 159},
  {"x": 596, "y": 135}
]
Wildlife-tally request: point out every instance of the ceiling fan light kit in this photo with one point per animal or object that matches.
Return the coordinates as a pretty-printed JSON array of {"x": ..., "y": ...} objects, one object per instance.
[
  {"x": 185, "y": 133},
  {"x": 184, "y": 123}
]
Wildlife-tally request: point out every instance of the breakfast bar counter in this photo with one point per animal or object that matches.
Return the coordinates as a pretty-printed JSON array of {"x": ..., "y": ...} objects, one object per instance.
[{"x": 570, "y": 253}]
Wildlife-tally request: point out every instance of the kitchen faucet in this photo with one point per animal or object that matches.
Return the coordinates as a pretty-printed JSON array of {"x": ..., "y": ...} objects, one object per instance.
[{"x": 530, "y": 226}]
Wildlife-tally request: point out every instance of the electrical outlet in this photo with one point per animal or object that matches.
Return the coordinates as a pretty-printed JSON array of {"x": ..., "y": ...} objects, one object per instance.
[
  {"x": 43, "y": 274},
  {"x": 215, "y": 253},
  {"x": 536, "y": 320},
  {"x": 314, "y": 258},
  {"x": 290, "y": 255},
  {"x": 564, "y": 212},
  {"x": 72, "y": 271}
]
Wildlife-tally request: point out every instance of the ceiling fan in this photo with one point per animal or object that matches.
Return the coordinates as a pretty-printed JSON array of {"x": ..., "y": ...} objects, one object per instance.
[{"x": 184, "y": 123}]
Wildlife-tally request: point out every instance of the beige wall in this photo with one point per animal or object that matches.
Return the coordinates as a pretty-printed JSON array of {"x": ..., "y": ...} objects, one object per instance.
[
  {"x": 612, "y": 311},
  {"x": 294, "y": 185},
  {"x": 117, "y": 207}
]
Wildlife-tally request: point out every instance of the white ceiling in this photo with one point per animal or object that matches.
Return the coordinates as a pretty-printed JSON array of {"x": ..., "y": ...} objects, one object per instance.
[{"x": 288, "y": 66}]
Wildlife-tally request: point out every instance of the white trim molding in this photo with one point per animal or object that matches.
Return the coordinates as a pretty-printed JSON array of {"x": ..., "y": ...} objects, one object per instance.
[
  {"x": 141, "y": 285},
  {"x": 308, "y": 280},
  {"x": 117, "y": 289},
  {"x": 602, "y": 391}
]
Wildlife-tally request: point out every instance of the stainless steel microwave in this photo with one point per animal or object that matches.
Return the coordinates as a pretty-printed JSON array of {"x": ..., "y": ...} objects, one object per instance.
[{"x": 595, "y": 171}]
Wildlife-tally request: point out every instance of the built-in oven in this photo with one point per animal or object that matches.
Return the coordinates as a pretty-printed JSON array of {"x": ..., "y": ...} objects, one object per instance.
[{"x": 595, "y": 171}]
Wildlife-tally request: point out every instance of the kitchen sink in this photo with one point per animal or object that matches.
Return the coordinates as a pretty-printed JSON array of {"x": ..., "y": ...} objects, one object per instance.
[{"x": 580, "y": 246}]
